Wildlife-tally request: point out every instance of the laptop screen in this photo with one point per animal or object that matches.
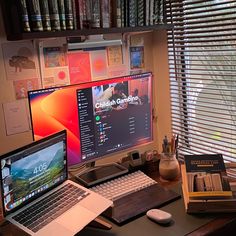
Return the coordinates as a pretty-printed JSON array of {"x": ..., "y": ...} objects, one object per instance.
[{"x": 32, "y": 170}]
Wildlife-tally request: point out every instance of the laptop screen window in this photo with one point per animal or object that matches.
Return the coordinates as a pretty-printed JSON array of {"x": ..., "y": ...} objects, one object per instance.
[{"x": 30, "y": 172}]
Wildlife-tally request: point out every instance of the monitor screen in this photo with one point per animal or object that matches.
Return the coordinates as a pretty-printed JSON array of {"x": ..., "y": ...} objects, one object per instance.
[{"x": 101, "y": 117}]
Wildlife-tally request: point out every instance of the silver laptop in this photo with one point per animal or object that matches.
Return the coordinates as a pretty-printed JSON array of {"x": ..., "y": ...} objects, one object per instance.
[{"x": 36, "y": 194}]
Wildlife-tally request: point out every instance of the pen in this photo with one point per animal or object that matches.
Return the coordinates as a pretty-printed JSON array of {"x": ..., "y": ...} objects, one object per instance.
[
  {"x": 165, "y": 144},
  {"x": 176, "y": 141},
  {"x": 172, "y": 144},
  {"x": 176, "y": 145}
]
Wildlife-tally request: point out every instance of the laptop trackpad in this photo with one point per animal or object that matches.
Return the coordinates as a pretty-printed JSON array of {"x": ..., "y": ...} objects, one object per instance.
[
  {"x": 76, "y": 218},
  {"x": 55, "y": 229}
]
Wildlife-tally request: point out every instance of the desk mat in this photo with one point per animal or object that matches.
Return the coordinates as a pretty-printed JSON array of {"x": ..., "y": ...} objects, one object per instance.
[{"x": 135, "y": 204}]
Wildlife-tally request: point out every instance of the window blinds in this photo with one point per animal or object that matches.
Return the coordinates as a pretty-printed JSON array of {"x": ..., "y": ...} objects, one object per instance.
[{"x": 202, "y": 68}]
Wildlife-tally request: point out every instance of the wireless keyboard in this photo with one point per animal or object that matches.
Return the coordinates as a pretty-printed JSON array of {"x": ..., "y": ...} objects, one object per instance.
[
  {"x": 133, "y": 195},
  {"x": 123, "y": 186}
]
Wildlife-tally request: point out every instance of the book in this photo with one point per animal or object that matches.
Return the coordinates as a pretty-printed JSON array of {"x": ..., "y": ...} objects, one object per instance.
[
  {"x": 156, "y": 12},
  {"x": 161, "y": 12},
  {"x": 35, "y": 15},
  {"x": 75, "y": 16},
  {"x": 151, "y": 12},
  {"x": 105, "y": 9},
  {"x": 147, "y": 16},
  {"x": 202, "y": 206},
  {"x": 80, "y": 13},
  {"x": 45, "y": 15},
  {"x": 62, "y": 14},
  {"x": 54, "y": 14},
  {"x": 122, "y": 12},
  {"x": 132, "y": 12},
  {"x": 69, "y": 15},
  {"x": 24, "y": 15},
  {"x": 206, "y": 177},
  {"x": 140, "y": 13},
  {"x": 87, "y": 16},
  {"x": 116, "y": 13},
  {"x": 95, "y": 14},
  {"x": 126, "y": 13}
]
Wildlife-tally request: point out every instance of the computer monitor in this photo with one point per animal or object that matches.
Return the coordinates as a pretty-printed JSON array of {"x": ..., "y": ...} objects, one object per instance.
[{"x": 101, "y": 117}]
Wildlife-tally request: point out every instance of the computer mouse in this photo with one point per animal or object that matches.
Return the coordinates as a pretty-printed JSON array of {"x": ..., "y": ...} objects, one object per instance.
[{"x": 159, "y": 216}]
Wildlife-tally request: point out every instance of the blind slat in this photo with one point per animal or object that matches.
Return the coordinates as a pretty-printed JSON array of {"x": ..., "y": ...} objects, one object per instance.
[{"x": 202, "y": 68}]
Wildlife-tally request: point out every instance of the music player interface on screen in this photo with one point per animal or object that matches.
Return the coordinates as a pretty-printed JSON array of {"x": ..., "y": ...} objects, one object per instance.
[{"x": 114, "y": 116}]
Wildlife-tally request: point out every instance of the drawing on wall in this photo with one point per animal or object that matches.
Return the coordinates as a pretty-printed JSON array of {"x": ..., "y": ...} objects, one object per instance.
[
  {"x": 99, "y": 64},
  {"x": 23, "y": 86},
  {"x": 15, "y": 116},
  {"x": 114, "y": 54},
  {"x": 20, "y": 60},
  {"x": 54, "y": 57},
  {"x": 79, "y": 67},
  {"x": 137, "y": 57},
  {"x": 53, "y": 63}
]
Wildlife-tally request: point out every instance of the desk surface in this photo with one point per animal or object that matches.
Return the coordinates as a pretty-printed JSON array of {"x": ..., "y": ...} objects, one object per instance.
[{"x": 183, "y": 224}]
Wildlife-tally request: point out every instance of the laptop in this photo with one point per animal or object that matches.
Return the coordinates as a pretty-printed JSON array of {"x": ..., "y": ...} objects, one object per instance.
[{"x": 37, "y": 195}]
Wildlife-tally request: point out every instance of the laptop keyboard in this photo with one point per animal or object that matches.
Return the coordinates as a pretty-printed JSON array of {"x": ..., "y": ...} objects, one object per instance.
[{"x": 43, "y": 212}]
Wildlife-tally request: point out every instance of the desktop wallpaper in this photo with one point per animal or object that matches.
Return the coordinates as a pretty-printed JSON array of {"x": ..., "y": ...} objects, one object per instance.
[{"x": 56, "y": 109}]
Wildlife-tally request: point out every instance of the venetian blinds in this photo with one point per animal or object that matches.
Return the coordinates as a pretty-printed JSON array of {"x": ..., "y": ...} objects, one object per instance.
[{"x": 202, "y": 65}]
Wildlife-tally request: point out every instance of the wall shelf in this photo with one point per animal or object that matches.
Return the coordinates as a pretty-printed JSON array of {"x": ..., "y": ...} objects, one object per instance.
[
  {"x": 13, "y": 26},
  {"x": 83, "y": 32}
]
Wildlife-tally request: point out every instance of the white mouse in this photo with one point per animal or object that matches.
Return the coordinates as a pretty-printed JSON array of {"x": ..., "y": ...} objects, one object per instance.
[{"x": 161, "y": 217}]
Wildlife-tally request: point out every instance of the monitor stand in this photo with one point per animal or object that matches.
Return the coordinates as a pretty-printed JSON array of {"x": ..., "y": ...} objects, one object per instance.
[{"x": 97, "y": 174}]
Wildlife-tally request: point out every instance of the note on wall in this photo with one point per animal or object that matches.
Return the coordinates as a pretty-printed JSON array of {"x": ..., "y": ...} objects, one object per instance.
[{"x": 16, "y": 119}]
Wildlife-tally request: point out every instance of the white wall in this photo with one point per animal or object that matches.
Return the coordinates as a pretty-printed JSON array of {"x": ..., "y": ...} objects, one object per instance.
[{"x": 8, "y": 143}]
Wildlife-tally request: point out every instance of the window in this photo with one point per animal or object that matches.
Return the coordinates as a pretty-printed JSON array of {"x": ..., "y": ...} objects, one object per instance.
[{"x": 202, "y": 59}]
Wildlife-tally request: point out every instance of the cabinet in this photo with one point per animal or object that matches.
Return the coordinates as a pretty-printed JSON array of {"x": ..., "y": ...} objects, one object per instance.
[{"x": 13, "y": 26}]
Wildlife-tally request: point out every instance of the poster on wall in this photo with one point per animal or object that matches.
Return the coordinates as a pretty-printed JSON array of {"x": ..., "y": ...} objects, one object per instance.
[
  {"x": 53, "y": 63},
  {"x": 21, "y": 87},
  {"x": 114, "y": 55},
  {"x": 20, "y": 59},
  {"x": 79, "y": 67},
  {"x": 116, "y": 65},
  {"x": 16, "y": 118},
  {"x": 99, "y": 64},
  {"x": 137, "y": 57}
]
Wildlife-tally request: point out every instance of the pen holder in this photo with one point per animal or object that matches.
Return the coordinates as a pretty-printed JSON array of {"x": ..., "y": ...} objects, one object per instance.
[{"x": 169, "y": 166}]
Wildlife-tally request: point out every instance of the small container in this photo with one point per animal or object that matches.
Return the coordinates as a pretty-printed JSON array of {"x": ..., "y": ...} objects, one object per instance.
[{"x": 169, "y": 166}]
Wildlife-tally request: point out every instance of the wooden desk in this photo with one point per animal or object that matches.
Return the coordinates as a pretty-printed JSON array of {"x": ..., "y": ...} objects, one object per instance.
[{"x": 183, "y": 224}]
